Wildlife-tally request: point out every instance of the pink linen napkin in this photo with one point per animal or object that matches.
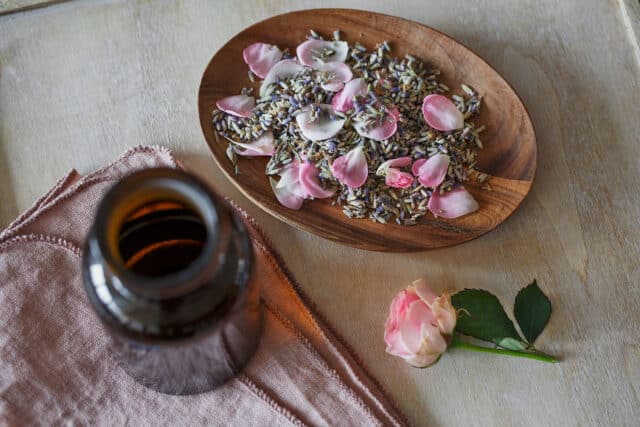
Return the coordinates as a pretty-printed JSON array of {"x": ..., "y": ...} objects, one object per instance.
[{"x": 55, "y": 367}]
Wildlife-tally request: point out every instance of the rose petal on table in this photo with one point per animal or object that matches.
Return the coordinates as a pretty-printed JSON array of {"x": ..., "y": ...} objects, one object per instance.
[
  {"x": 384, "y": 131},
  {"x": 351, "y": 169},
  {"x": 336, "y": 75},
  {"x": 397, "y": 179},
  {"x": 308, "y": 176},
  {"x": 309, "y": 52},
  {"x": 343, "y": 100},
  {"x": 441, "y": 113},
  {"x": 261, "y": 57},
  {"x": 452, "y": 204},
  {"x": 286, "y": 196},
  {"x": 281, "y": 70},
  {"x": 323, "y": 127},
  {"x": 431, "y": 171},
  {"x": 237, "y": 105},
  {"x": 398, "y": 162},
  {"x": 263, "y": 146}
]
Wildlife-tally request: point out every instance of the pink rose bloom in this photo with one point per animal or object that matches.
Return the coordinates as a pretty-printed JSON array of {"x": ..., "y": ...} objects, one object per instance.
[
  {"x": 395, "y": 177},
  {"x": 418, "y": 325}
]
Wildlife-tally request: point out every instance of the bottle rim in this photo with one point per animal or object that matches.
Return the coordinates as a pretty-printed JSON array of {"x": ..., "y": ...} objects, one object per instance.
[{"x": 160, "y": 185}]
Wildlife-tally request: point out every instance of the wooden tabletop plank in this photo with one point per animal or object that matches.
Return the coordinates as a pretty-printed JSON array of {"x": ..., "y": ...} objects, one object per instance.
[{"x": 80, "y": 82}]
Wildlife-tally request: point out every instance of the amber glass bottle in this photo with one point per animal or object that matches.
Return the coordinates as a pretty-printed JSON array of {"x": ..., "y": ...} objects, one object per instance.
[{"x": 166, "y": 267}]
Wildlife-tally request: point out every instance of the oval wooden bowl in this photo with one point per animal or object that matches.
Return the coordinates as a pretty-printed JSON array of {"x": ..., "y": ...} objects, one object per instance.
[{"x": 509, "y": 153}]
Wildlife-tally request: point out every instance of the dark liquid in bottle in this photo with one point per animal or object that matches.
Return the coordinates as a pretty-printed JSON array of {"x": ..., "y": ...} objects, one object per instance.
[{"x": 161, "y": 238}]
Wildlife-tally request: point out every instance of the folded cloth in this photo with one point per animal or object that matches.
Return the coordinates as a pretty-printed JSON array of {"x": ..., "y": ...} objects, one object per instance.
[{"x": 55, "y": 365}]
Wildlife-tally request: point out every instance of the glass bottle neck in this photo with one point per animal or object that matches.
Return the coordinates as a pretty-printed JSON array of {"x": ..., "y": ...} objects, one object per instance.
[{"x": 165, "y": 258}]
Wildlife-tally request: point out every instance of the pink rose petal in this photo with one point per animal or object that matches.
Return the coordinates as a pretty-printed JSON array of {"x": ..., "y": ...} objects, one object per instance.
[
  {"x": 424, "y": 360},
  {"x": 323, "y": 127},
  {"x": 443, "y": 311},
  {"x": 445, "y": 314},
  {"x": 263, "y": 146},
  {"x": 237, "y": 105},
  {"x": 398, "y": 162},
  {"x": 433, "y": 345},
  {"x": 289, "y": 176},
  {"x": 422, "y": 289},
  {"x": 398, "y": 179},
  {"x": 281, "y": 70},
  {"x": 261, "y": 57},
  {"x": 411, "y": 326},
  {"x": 441, "y": 114},
  {"x": 351, "y": 169},
  {"x": 286, "y": 196},
  {"x": 332, "y": 86},
  {"x": 452, "y": 204},
  {"x": 308, "y": 177},
  {"x": 288, "y": 190},
  {"x": 412, "y": 330},
  {"x": 431, "y": 171},
  {"x": 307, "y": 50},
  {"x": 343, "y": 100},
  {"x": 395, "y": 346},
  {"x": 420, "y": 337},
  {"x": 336, "y": 75},
  {"x": 397, "y": 313},
  {"x": 382, "y": 132},
  {"x": 399, "y": 306},
  {"x": 395, "y": 177}
]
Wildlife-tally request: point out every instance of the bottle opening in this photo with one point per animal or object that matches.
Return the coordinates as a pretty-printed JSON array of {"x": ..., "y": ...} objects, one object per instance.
[{"x": 161, "y": 238}]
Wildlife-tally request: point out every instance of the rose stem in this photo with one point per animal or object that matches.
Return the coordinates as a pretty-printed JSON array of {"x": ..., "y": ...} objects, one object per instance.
[{"x": 537, "y": 355}]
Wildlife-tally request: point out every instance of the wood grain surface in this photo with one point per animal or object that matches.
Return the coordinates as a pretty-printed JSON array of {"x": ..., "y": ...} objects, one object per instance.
[
  {"x": 82, "y": 81},
  {"x": 509, "y": 157}
]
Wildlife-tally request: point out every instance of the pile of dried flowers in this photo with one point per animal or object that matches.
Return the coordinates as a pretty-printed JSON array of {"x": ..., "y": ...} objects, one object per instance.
[{"x": 373, "y": 131}]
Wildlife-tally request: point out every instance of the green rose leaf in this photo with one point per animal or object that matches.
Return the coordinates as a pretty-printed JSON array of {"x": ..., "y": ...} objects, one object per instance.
[
  {"x": 532, "y": 310},
  {"x": 481, "y": 316}
]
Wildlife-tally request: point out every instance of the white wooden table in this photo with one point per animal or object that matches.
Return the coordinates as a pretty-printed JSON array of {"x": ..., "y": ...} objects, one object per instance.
[{"x": 82, "y": 81}]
